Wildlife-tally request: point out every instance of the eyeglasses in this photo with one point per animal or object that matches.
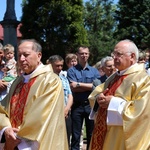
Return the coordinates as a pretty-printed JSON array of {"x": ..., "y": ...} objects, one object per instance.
[{"x": 118, "y": 54}]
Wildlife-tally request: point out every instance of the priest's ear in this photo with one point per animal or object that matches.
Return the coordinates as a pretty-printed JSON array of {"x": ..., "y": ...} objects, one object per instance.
[
  {"x": 39, "y": 56},
  {"x": 133, "y": 56}
]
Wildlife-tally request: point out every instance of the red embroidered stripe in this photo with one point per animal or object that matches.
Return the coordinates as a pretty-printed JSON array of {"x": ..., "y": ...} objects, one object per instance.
[
  {"x": 100, "y": 127},
  {"x": 18, "y": 102}
]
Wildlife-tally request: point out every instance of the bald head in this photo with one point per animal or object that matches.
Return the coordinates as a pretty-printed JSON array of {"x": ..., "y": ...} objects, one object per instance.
[{"x": 125, "y": 54}]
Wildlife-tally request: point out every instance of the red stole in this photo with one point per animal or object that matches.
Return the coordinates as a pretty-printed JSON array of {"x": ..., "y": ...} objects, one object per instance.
[
  {"x": 18, "y": 101},
  {"x": 100, "y": 127}
]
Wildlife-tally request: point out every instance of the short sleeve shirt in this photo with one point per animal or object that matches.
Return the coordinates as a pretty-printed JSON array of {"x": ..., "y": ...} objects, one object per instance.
[
  {"x": 66, "y": 88},
  {"x": 86, "y": 75}
]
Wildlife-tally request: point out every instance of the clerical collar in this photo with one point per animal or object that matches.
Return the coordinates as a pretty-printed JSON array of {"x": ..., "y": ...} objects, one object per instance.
[
  {"x": 119, "y": 73},
  {"x": 27, "y": 77}
]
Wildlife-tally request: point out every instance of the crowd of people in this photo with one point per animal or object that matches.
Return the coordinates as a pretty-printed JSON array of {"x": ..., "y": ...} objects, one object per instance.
[{"x": 43, "y": 107}]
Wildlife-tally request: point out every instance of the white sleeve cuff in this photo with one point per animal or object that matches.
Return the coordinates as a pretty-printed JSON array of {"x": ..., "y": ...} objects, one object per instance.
[
  {"x": 114, "y": 114},
  {"x": 28, "y": 145},
  {"x": 92, "y": 115}
]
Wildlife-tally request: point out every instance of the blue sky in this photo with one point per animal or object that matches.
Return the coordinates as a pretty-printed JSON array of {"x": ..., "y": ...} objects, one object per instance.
[{"x": 18, "y": 8}]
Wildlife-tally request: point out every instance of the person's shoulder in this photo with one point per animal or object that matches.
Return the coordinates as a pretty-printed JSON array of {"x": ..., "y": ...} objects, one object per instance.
[
  {"x": 64, "y": 80},
  {"x": 93, "y": 69},
  {"x": 103, "y": 78},
  {"x": 62, "y": 77},
  {"x": 45, "y": 70},
  {"x": 49, "y": 75},
  {"x": 148, "y": 71},
  {"x": 63, "y": 73},
  {"x": 73, "y": 68},
  {"x": 97, "y": 81},
  {"x": 12, "y": 60}
]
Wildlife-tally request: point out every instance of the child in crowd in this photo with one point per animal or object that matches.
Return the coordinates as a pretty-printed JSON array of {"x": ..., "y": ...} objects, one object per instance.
[
  {"x": 9, "y": 69},
  {"x": 71, "y": 60},
  {"x": 142, "y": 57}
]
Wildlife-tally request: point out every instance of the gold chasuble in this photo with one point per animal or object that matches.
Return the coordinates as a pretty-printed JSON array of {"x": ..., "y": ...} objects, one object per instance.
[
  {"x": 134, "y": 87},
  {"x": 37, "y": 109},
  {"x": 100, "y": 128}
]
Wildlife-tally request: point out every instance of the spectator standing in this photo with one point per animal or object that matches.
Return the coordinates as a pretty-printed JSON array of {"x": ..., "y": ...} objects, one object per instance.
[
  {"x": 71, "y": 60},
  {"x": 108, "y": 69},
  {"x": 9, "y": 69},
  {"x": 99, "y": 68},
  {"x": 3, "y": 85},
  {"x": 57, "y": 63},
  {"x": 122, "y": 121},
  {"x": 31, "y": 115},
  {"x": 81, "y": 77},
  {"x": 147, "y": 63},
  {"x": 107, "y": 66},
  {"x": 142, "y": 59}
]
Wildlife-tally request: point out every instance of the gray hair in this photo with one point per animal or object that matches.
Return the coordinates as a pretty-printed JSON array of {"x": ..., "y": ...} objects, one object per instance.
[
  {"x": 105, "y": 59},
  {"x": 36, "y": 46},
  {"x": 132, "y": 48},
  {"x": 98, "y": 65},
  {"x": 55, "y": 58}
]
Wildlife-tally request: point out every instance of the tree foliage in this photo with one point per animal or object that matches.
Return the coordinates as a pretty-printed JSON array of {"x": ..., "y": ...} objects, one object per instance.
[
  {"x": 58, "y": 25},
  {"x": 100, "y": 24},
  {"x": 61, "y": 26},
  {"x": 134, "y": 21}
]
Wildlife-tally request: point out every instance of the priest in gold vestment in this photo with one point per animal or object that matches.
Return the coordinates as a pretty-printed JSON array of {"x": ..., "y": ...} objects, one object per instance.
[
  {"x": 122, "y": 121},
  {"x": 32, "y": 114}
]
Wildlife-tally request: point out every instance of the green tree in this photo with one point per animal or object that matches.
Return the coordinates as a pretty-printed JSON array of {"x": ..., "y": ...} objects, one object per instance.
[
  {"x": 58, "y": 25},
  {"x": 100, "y": 25},
  {"x": 134, "y": 21}
]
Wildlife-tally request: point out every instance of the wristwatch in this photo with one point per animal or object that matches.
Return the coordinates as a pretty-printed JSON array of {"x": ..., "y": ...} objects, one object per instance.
[{"x": 78, "y": 84}]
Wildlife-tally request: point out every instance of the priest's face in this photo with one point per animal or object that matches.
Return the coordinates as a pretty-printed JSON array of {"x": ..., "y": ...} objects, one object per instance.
[
  {"x": 123, "y": 58},
  {"x": 28, "y": 58}
]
